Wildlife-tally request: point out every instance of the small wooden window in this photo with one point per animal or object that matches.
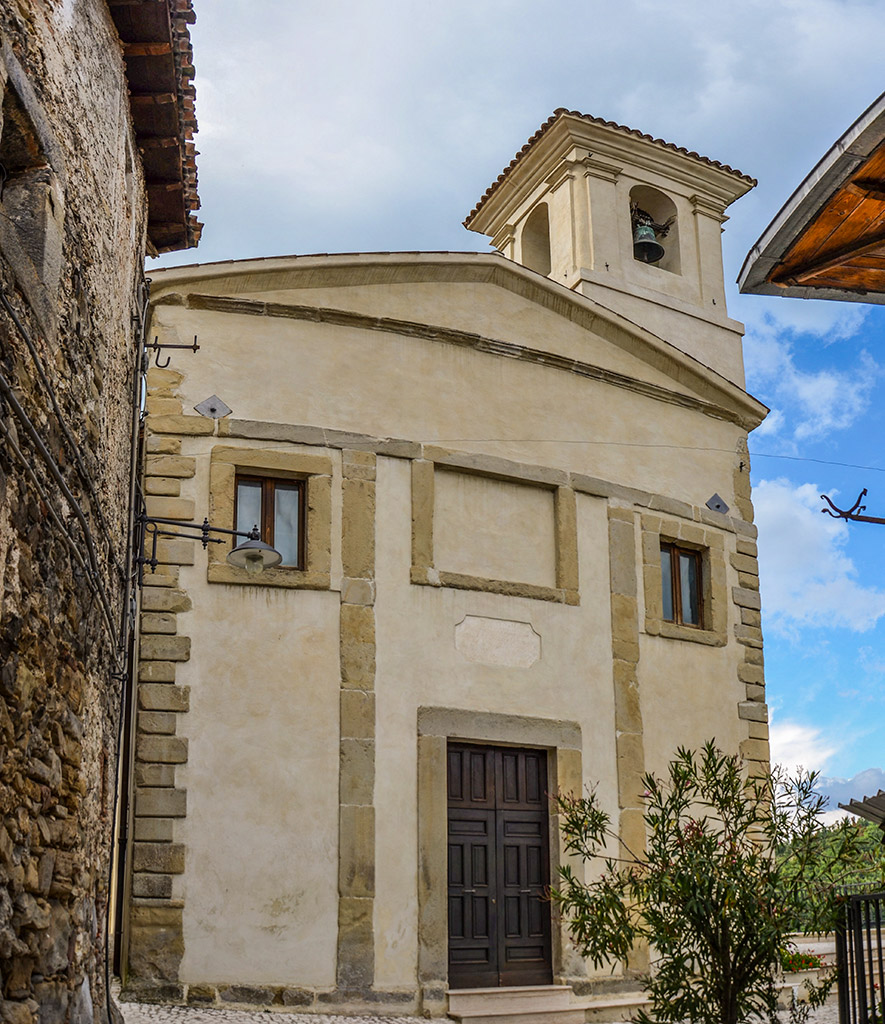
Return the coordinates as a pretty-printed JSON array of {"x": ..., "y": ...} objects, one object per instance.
[
  {"x": 276, "y": 507},
  {"x": 681, "y": 586}
]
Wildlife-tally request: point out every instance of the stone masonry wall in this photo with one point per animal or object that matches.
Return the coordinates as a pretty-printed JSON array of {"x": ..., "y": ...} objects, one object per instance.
[{"x": 72, "y": 224}]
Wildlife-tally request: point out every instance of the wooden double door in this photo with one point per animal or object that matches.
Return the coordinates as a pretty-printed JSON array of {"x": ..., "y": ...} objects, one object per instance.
[{"x": 499, "y": 867}]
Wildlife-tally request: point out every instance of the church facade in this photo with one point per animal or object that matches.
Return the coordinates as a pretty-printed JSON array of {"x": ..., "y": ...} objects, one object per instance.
[{"x": 511, "y": 496}]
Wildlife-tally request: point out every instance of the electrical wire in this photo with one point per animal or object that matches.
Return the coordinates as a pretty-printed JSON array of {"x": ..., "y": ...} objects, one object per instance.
[
  {"x": 75, "y": 451},
  {"x": 290, "y": 446},
  {"x": 9, "y": 395}
]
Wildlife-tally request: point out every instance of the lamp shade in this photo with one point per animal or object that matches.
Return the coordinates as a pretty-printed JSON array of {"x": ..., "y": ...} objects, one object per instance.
[{"x": 254, "y": 556}]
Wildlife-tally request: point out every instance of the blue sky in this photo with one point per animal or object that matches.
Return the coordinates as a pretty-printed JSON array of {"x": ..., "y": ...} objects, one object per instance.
[{"x": 354, "y": 126}]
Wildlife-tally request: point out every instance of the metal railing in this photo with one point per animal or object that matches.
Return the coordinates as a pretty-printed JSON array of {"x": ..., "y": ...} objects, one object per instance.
[{"x": 859, "y": 956}]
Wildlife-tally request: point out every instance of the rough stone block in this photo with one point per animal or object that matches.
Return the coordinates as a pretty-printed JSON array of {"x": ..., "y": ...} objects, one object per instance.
[
  {"x": 358, "y": 465},
  {"x": 630, "y": 764},
  {"x": 751, "y": 617},
  {"x": 175, "y": 552},
  {"x": 356, "y": 949},
  {"x": 744, "y": 563},
  {"x": 745, "y": 527},
  {"x": 165, "y": 600},
  {"x": 358, "y": 528},
  {"x": 160, "y": 803},
  {"x": 357, "y": 591},
  {"x": 755, "y": 692},
  {"x": 628, "y": 712},
  {"x": 748, "y": 581},
  {"x": 357, "y": 665},
  {"x": 753, "y": 711},
  {"x": 754, "y": 750},
  {"x": 356, "y": 864},
  {"x": 744, "y": 598},
  {"x": 758, "y": 730},
  {"x": 167, "y": 486},
  {"x": 748, "y": 632},
  {"x": 170, "y": 508},
  {"x": 296, "y": 997},
  {"x": 157, "y": 858},
  {"x": 751, "y": 674},
  {"x": 161, "y": 405},
  {"x": 157, "y": 671},
  {"x": 254, "y": 995},
  {"x": 622, "y": 556},
  {"x": 189, "y": 426},
  {"x": 156, "y": 943},
  {"x": 625, "y": 650},
  {"x": 154, "y": 774},
  {"x": 153, "y": 830},
  {"x": 161, "y": 749},
  {"x": 358, "y": 623},
  {"x": 357, "y": 771},
  {"x": 162, "y": 379},
  {"x": 158, "y": 444},
  {"x": 159, "y": 622},
  {"x": 161, "y": 722},
  {"x": 163, "y": 697},
  {"x": 171, "y": 465},
  {"x": 671, "y": 506},
  {"x": 625, "y": 618},
  {"x": 357, "y": 714},
  {"x": 201, "y": 995},
  {"x": 148, "y": 886},
  {"x": 747, "y": 547},
  {"x": 162, "y": 576},
  {"x": 165, "y": 648}
]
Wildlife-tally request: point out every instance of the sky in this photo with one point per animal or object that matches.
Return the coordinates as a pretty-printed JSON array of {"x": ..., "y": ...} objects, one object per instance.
[{"x": 375, "y": 125}]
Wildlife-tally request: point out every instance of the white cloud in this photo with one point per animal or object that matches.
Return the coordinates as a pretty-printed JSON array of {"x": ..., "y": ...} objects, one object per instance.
[
  {"x": 814, "y": 402},
  {"x": 795, "y": 746},
  {"x": 379, "y": 125},
  {"x": 807, "y": 578}
]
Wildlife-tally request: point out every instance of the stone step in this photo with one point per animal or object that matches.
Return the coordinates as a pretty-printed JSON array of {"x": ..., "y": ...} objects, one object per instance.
[
  {"x": 609, "y": 1008},
  {"x": 550, "y": 1004}
]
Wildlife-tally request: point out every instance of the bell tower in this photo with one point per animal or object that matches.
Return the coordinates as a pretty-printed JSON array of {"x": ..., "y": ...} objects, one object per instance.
[{"x": 630, "y": 221}]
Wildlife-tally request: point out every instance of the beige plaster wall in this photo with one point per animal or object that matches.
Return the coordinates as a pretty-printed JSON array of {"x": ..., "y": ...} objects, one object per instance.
[
  {"x": 388, "y": 385},
  {"x": 481, "y": 308},
  {"x": 275, "y": 780},
  {"x": 494, "y": 528},
  {"x": 420, "y": 666},
  {"x": 260, "y": 886}
]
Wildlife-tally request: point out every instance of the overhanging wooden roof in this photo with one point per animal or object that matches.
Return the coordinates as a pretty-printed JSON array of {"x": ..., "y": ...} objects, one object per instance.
[
  {"x": 872, "y": 808},
  {"x": 159, "y": 67},
  {"x": 828, "y": 240}
]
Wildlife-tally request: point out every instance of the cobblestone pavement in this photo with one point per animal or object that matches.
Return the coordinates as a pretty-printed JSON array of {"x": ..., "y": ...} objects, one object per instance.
[{"x": 142, "y": 1013}]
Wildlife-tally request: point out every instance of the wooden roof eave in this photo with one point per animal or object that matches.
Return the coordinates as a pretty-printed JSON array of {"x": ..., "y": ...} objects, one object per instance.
[
  {"x": 762, "y": 272},
  {"x": 156, "y": 51}
]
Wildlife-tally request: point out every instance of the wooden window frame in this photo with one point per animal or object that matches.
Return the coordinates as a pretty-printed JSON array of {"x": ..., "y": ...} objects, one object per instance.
[
  {"x": 266, "y": 526},
  {"x": 676, "y": 551}
]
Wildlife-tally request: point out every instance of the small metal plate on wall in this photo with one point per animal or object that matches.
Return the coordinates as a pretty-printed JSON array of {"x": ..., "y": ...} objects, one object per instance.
[
  {"x": 213, "y": 408},
  {"x": 716, "y": 504}
]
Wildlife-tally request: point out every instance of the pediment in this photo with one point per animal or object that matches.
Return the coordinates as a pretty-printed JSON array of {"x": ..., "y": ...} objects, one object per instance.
[{"x": 479, "y": 301}]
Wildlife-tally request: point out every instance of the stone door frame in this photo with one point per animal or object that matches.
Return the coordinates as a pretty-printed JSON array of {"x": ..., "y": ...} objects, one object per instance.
[{"x": 436, "y": 726}]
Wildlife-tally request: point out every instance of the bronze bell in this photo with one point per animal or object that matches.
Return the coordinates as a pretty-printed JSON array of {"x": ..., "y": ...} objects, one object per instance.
[{"x": 646, "y": 247}]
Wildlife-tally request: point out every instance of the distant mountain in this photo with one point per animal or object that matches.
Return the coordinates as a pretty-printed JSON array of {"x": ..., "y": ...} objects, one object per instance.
[{"x": 840, "y": 791}]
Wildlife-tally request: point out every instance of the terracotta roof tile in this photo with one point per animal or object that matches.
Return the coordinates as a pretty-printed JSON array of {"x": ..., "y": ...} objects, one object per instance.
[{"x": 563, "y": 111}]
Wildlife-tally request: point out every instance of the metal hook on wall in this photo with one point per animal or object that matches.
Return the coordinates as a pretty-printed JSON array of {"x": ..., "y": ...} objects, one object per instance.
[{"x": 156, "y": 346}]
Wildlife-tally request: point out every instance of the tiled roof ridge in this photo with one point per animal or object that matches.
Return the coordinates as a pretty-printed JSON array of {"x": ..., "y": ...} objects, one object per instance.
[
  {"x": 182, "y": 15},
  {"x": 559, "y": 112}
]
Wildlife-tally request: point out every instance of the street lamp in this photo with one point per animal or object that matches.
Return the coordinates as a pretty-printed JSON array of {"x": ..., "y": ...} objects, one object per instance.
[{"x": 252, "y": 554}]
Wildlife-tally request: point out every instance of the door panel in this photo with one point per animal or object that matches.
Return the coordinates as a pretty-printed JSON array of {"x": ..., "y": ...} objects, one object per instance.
[{"x": 499, "y": 917}]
